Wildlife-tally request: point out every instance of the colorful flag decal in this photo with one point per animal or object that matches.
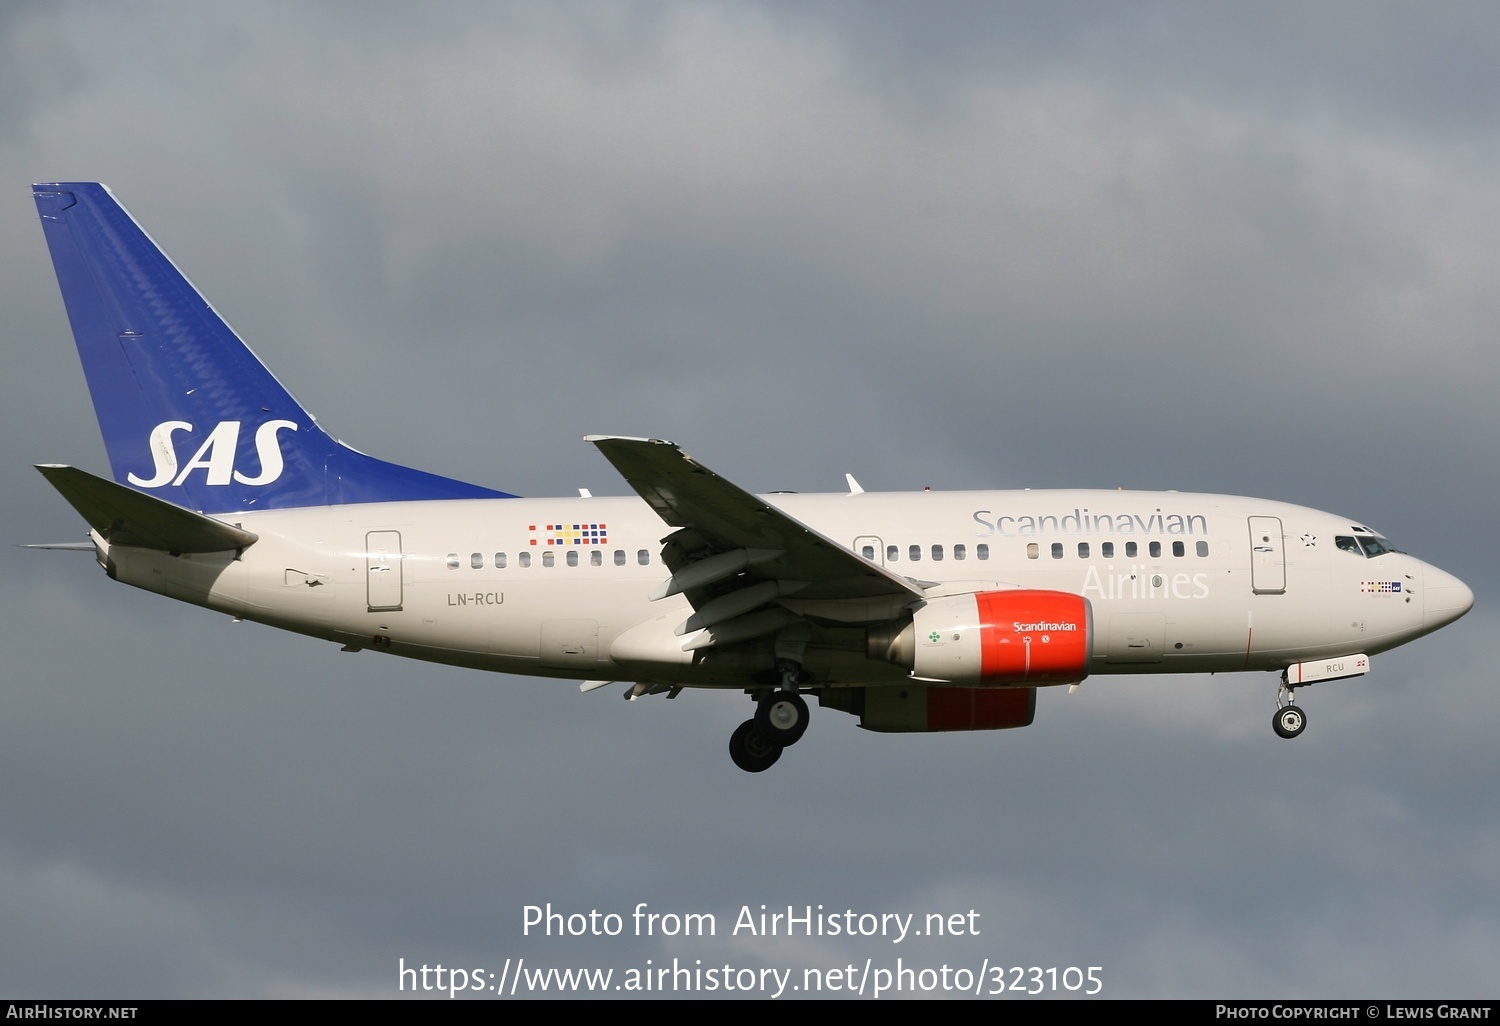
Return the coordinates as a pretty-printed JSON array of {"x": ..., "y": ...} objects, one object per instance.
[{"x": 585, "y": 535}]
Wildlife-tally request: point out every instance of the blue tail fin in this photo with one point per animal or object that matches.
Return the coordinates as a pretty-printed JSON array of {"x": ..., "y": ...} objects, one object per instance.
[{"x": 188, "y": 412}]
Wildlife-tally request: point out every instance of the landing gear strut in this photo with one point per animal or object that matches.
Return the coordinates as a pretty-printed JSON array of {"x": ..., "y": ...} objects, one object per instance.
[{"x": 1289, "y": 721}]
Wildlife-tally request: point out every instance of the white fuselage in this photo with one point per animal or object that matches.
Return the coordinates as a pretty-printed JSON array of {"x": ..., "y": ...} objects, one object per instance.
[{"x": 1177, "y": 582}]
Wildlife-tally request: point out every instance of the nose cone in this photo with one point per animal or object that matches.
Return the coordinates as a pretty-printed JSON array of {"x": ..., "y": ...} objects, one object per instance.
[{"x": 1446, "y": 598}]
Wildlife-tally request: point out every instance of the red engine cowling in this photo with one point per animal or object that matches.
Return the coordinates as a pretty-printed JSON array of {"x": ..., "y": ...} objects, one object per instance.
[{"x": 997, "y": 638}]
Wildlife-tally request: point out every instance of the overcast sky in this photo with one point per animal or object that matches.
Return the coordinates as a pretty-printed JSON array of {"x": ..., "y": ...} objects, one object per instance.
[{"x": 1229, "y": 248}]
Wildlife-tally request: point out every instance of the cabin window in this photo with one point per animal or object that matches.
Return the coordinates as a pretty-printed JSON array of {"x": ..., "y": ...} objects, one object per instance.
[
  {"x": 1057, "y": 550},
  {"x": 499, "y": 561},
  {"x": 868, "y": 551},
  {"x": 572, "y": 557},
  {"x": 1033, "y": 550},
  {"x": 549, "y": 558},
  {"x": 937, "y": 553},
  {"x": 1178, "y": 549},
  {"x": 643, "y": 557},
  {"x": 1130, "y": 550},
  {"x": 1107, "y": 550},
  {"x": 982, "y": 551},
  {"x": 892, "y": 553},
  {"x": 1083, "y": 550},
  {"x": 1155, "y": 550},
  {"x": 619, "y": 557},
  {"x": 960, "y": 552},
  {"x": 453, "y": 559},
  {"x": 596, "y": 558},
  {"x": 914, "y": 553},
  {"x": 476, "y": 560},
  {"x": 525, "y": 559},
  {"x": 1203, "y": 548}
]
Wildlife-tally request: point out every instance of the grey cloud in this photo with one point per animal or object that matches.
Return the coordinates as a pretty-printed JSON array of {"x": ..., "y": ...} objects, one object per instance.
[{"x": 1154, "y": 246}]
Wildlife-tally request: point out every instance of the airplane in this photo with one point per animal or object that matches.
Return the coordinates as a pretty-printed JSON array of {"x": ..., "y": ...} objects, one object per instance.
[{"x": 916, "y": 612}]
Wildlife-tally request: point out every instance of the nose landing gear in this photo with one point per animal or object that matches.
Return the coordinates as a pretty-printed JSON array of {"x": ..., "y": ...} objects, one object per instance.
[{"x": 1289, "y": 720}]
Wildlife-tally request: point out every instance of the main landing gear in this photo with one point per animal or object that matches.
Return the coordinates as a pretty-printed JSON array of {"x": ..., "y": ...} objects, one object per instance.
[
  {"x": 750, "y": 751},
  {"x": 780, "y": 720},
  {"x": 1289, "y": 720}
]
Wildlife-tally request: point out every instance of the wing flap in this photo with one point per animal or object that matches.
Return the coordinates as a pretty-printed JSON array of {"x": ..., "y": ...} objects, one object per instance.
[{"x": 124, "y": 516}]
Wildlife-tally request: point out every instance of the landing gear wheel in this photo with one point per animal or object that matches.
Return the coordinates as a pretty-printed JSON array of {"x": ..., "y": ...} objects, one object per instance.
[
  {"x": 781, "y": 717},
  {"x": 1289, "y": 721},
  {"x": 750, "y": 750}
]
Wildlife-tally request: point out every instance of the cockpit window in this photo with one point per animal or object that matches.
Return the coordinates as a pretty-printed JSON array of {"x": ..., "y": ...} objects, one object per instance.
[{"x": 1367, "y": 545}]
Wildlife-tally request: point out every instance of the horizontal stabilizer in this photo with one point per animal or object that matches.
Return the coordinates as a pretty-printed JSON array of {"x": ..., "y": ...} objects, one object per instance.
[{"x": 124, "y": 516}]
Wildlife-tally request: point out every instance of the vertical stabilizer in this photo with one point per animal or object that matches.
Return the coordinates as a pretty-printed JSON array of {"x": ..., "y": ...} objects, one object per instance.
[{"x": 189, "y": 414}]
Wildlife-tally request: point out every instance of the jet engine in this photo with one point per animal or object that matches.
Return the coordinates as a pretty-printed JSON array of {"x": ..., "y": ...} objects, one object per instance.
[{"x": 993, "y": 639}]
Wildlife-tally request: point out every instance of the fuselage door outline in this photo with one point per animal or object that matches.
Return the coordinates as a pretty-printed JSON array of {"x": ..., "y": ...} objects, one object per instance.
[
  {"x": 383, "y": 571},
  {"x": 1267, "y": 557}
]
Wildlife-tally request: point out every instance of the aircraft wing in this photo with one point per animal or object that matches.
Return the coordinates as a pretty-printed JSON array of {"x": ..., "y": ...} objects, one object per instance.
[{"x": 735, "y": 553}]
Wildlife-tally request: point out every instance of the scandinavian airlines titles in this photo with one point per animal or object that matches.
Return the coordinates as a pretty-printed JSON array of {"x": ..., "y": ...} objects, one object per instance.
[{"x": 1081, "y": 521}]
